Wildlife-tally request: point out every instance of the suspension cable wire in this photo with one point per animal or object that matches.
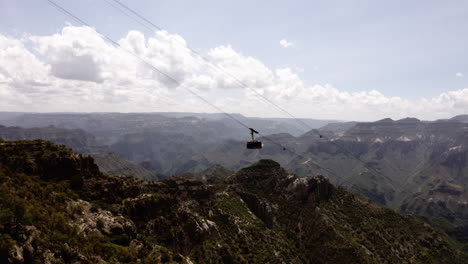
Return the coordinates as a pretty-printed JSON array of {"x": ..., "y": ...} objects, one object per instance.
[
  {"x": 206, "y": 59},
  {"x": 66, "y": 12},
  {"x": 215, "y": 66},
  {"x": 129, "y": 16},
  {"x": 115, "y": 43},
  {"x": 238, "y": 80}
]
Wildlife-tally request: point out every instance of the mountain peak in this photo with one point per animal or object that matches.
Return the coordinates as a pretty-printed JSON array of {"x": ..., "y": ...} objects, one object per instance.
[
  {"x": 408, "y": 120},
  {"x": 263, "y": 174},
  {"x": 460, "y": 118},
  {"x": 263, "y": 164},
  {"x": 385, "y": 120},
  {"x": 317, "y": 186}
]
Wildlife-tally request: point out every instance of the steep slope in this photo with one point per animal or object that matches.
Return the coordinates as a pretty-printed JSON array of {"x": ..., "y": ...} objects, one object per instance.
[
  {"x": 411, "y": 166},
  {"x": 112, "y": 164},
  {"x": 442, "y": 194},
  {"x": 163, "y": 152},
  {"x": 57, "y": 207}
]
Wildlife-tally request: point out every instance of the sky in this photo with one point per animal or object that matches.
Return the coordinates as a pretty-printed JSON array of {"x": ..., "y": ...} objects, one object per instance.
[{"x": 347, "y": 60}]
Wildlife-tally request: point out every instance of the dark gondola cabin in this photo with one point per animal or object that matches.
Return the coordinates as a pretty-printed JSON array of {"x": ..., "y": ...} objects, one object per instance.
[{"x": 254, "y": 144}]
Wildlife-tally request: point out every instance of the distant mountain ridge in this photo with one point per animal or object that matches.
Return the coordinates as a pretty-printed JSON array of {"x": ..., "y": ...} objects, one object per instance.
[
  {"x": 78, "y": 139},
  {"x": 163, "y": 142},
  {"x": 111, "y": 125},
  {"x": 408, "y": 129},
  {"x": 460, "y": 118}
]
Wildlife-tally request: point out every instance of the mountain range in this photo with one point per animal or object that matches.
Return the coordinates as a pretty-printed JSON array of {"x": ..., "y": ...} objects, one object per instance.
[
  {"x": 411, "y": 166},
  {"x": 161, "y": 142}
]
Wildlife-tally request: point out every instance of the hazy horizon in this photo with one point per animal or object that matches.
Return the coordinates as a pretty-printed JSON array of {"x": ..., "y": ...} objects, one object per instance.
[{"x": 214, "y": 113}]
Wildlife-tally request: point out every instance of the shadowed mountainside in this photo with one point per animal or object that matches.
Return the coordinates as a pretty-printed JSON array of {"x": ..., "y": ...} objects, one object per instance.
[{"x": 56, "y": 206}]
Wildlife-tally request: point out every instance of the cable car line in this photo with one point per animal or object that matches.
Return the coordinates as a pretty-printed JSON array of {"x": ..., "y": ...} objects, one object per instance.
[
  {"x": 245, "y": 85},
  {"x": 215, "y": 66},
  {"x": 60, "y": 8},
  {"x": 126, "y": 7},
  {"x": 242, "y": 83},
  {"x": 65, "y": 11}
]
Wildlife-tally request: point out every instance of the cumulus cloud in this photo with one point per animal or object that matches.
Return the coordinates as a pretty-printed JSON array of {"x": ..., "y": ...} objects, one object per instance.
[
  {"x": 459, "y": 75},
  {"x": 76, "y": 70},
  {"x": 71, "y": 55},
  {"x": 285, "y": 43}
]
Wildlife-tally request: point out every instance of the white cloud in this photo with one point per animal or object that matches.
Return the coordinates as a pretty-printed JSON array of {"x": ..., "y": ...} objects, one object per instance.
[
  {"x": 75, "y": 70},
  {"x": 459, "y": 74},
  {"x": 285, "y": 43}
]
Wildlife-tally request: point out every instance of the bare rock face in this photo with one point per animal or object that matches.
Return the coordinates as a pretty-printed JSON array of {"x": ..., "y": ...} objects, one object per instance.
[
  {"x": 148, "y": 206},
  {"x": 260, "y": 185},
  {"x": 260, "y": 208},
  {"x": 90, "y": 220},
  {"x": 193, "y": 230},
  {"x": 28, "y": 248},
  {"x": 260, "y": 182},
  {"x": 16, "y": 255},
  {"x": 311, "y": 188}
]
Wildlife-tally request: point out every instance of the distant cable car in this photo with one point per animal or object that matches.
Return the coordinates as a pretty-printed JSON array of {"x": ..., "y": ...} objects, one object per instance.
[{"x": 254, "y": 144}]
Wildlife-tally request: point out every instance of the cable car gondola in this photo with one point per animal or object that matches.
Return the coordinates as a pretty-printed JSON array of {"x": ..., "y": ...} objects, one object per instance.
[{"x": 254, "y": 144}]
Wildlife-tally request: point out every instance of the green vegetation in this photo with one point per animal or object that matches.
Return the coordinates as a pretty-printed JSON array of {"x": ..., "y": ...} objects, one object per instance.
[
  {"x": 33, "y": 209},
  {"x": 55, "y": 206}
]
